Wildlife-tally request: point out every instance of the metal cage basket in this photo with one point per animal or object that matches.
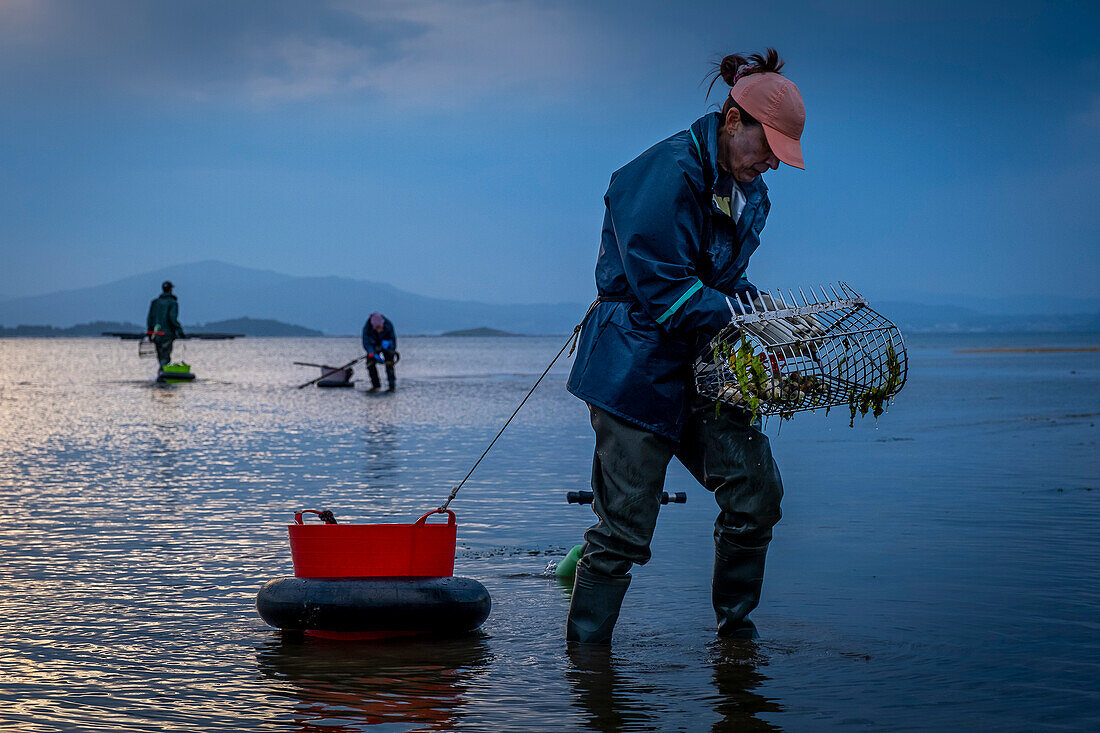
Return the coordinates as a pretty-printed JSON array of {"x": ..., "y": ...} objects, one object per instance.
[{"x": 781, "y": 356}]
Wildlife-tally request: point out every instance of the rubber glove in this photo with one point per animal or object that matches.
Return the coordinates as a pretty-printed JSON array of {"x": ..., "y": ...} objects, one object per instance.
[
  {"x": 744, "y": 290},
  {"x": 744, "y": 286}
]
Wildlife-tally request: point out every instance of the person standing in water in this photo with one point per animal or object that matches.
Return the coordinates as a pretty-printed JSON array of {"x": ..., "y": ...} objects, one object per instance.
[
  {"x": 380, "y": 343},
  {"x": 162, "y": 324},
  {"x": 681, "y": 221}
]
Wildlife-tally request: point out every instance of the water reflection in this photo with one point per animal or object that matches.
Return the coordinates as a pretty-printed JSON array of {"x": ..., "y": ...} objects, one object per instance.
[
  {"x": 609, "y": 699},
  {"x": 381, "y": 459},
  {"x": 612, "y": 698},
  {"x": 341, "y": 686},
  {"x": 735, "y": 673}
]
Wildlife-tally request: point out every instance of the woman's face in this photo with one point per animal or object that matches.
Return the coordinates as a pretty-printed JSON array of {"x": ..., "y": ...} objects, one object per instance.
[{"x": 744, "y": 150}]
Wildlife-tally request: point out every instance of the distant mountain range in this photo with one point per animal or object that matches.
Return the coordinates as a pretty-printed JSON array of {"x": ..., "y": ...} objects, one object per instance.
[
  {"x": 242, "y": 326},
  {"x": 95, "y": 328},
  {"x": 211, "y": 292},
  {"x": 919, "y": 317}
]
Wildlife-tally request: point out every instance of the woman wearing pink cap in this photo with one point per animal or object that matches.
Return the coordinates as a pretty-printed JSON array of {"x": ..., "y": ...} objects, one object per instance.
[{"x": 682, "y": 220}]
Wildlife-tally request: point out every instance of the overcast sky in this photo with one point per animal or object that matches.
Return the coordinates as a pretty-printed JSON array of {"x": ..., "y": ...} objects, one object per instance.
[{"x": 462, "y": 149}]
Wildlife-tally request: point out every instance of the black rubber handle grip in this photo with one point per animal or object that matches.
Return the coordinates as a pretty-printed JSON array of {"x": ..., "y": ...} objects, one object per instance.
[{"x": 585, "y": 497}]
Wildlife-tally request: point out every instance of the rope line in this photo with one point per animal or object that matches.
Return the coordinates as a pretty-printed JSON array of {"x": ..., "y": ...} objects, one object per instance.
[{"x": 571, "y": 340}]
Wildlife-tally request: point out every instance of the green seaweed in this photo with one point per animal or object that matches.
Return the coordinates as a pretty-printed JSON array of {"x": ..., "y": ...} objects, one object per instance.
[
  {"x": 741, "y": 361},
  {"x": 794, "y": 391},
  {"x": 876, "y": 399},
  {"x": 752, "y": 379},
  {"x": 751, "y": 374}
]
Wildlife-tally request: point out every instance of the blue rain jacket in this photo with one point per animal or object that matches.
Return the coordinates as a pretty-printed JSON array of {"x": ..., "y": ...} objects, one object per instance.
[
  {"x": 669, "y": 256},
  {"x": 372, "y": 340}
]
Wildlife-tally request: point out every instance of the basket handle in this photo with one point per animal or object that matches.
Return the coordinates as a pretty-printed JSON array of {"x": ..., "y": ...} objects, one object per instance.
[
  {"x": 450, "y": 519},
  {"x": 325, "y": 516}
]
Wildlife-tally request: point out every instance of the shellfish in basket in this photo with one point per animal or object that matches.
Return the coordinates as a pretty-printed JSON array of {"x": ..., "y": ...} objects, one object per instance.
[{"x": 780, "y": 356}]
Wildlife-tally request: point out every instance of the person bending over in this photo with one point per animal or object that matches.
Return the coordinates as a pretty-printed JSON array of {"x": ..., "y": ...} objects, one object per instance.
[
  {"x": 380, "y": 343},
  {"x": 681, "y": 221}
]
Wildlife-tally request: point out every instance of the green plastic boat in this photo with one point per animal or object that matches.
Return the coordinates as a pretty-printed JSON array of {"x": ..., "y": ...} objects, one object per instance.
[{"x": 175, "y": 373}]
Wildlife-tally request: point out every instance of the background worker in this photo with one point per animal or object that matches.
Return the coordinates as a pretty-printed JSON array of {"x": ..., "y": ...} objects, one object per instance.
[
  {"x": 162, "y": 324},
  {"x": 681, "y": 222},
  {"x": 380, "y": 343}
]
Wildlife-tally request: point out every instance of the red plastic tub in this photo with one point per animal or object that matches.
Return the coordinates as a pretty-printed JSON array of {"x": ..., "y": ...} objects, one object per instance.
[{"x": 418, "y": 550}]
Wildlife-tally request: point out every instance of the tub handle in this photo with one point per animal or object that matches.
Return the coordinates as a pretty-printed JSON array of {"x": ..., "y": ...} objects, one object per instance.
[
  {"x": 450, "y": 519},
  {"x": 325, "y": 516}
]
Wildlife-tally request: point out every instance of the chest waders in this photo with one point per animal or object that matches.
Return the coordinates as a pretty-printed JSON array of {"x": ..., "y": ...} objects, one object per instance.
[
  {"x": 163, "y": 343},
  {"x": 726, "y": 454},
  {"x": 391, "y": 376}
]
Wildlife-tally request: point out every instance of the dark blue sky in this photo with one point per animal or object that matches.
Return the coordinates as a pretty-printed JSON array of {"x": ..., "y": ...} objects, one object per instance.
[{"x": 461, "y": 149}]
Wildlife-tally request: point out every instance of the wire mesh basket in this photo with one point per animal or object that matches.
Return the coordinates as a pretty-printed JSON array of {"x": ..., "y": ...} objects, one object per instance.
[
  {"x": 146, "y": 349},
  {"x": 781, "y": 356}
]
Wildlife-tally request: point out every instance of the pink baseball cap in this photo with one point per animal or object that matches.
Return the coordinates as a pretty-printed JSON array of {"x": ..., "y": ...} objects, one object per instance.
[{"x": 776, "y": 103}]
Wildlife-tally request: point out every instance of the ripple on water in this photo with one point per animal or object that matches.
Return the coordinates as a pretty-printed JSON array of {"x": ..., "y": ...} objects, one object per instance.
[{"x": 928, "y": 574}]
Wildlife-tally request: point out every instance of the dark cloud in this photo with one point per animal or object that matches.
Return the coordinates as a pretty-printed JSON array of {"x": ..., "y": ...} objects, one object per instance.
[
  {"x": 950, "y": 145},
  {"x": 267, "y": 51}
]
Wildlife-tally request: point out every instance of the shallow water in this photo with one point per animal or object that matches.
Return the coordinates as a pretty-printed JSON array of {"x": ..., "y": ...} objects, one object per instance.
[{"x": 938, "y": 570}]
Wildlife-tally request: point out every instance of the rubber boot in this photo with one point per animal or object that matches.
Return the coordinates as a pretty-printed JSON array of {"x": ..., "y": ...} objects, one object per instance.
[
  {"x": 594, "y": 607},
  {"x": 735, "y": 588}
]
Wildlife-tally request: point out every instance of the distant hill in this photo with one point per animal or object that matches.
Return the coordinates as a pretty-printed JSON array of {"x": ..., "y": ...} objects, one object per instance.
[
  {"x": 95, "y": 328},
  {"x": 254, "y": 327},
  {"x": 213, "y": 291},
  {"x": 1016, "y": 304},
  {"x": 481, "y": 331},
  {"x": 921, "y": 318},
  {"x": 243, "y": 326}
]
